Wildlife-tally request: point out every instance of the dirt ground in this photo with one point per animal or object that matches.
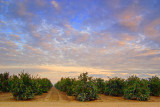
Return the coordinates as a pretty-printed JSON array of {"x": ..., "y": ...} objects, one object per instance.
[
  {"x": 56, "y": 98},
  {"x": 53, "y": 95}
]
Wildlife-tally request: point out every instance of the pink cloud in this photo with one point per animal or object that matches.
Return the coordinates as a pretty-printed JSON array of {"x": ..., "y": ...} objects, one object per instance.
[
  {"x": 33, "y": 50},
  {"x": 151, "y": 30},
  {"x": 103, "y": 38},
  {"x": 15, "y": 37},
  {"x": 46, "y": 46},
  {"x": 121, "y": 43},
  {"x": 130, "y": 18},
  {"x": 83, "y": 38},
  {"x": 128, "y": 37},
  {"x": 55, "y": 4},
  {"x": 40, "y": 2},
  {"x": 69, "y": 29},
  {"x": 22, "y": 10},
  {"x": 149, "y": 52},
  {"x": 156, "y": 59}
]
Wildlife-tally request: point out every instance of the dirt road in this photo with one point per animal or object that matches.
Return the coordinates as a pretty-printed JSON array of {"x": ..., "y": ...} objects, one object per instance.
[{"x": 53, "y": 95}]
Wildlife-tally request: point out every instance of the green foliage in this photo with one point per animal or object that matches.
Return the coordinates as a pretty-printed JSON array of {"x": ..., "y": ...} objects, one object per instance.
[
  {"x": 40, "y": 86},
  {"x": 100, "y": 83},
  {"x": 5, "y": 82},
  {"x": 136, "y": 89},
  {"x": 22, "y": 87},
  {"x": 25, "y": 87},
  {"x": 36, "y": 86},
  {"x": 66, "y": 85},
  {"x": 86, "y": 91},
  {"x": 83, "y": 89},
  {"x": 154, "y": 85},
  {"x": 84, "y": 77},
  {"x": 114, "y": 87},
  {"x": 45, "y": 85}
]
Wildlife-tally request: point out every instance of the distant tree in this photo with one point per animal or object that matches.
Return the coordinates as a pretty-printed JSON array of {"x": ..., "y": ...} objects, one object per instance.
[{"x": 154, "y": 85}]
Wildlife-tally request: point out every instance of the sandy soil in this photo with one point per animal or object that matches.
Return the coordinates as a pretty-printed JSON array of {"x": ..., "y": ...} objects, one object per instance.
[{"x": 56, "y": 98}]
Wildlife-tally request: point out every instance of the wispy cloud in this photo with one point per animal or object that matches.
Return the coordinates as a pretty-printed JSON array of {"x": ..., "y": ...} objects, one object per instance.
[{"x": 55, "y": 4}]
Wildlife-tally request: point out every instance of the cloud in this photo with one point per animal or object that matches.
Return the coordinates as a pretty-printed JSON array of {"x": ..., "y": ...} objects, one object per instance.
[
  {"x": 149, "y": 52},
  {"x": 83, "y": 37},
  {"x": 15, "y": 37},
  {"x": 55, "y": 4},
  {"x": 126, "y": 37},
  {"x": 69, "y": 29},
  {"x": 156, "y": 59},
  {"x": 130, "y": 18},
  {"x": 152, "y": 31},
  {"x": 41, "y": 3},
  {"x": 22, "y": 11}
]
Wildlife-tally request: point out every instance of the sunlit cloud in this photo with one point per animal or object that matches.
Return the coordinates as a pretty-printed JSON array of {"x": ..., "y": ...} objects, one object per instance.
[{"x": 55, "y": 4}]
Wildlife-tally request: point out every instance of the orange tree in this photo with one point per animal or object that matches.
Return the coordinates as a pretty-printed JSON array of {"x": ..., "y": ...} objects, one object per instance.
[
  {"x": 136, "y": 89},
  {"x": 154, "y": 85}
]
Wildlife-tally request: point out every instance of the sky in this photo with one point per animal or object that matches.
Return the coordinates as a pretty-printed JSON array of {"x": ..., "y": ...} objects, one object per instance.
[{"x": 61, "y": 38}]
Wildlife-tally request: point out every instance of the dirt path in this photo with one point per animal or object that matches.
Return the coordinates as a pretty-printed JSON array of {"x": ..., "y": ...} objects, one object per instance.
[{"x": 53, "y": 95}]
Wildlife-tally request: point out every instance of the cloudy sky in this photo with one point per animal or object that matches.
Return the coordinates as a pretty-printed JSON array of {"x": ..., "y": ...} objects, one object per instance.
[{"x": 55, "y": 38}]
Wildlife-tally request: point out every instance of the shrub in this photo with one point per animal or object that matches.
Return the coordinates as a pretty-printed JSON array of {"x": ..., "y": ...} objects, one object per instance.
[
  {"x": 24, "y": 86},
  {"x": 5, "y": 83},
  {"x": 66, "y": 85},
  {"x": 36, "y": 87},
  {"x": 114, "y": 87},
  {"x": 61, "y": 85},
  {"x": 86, "y": 91},
  {"x": 21, "y": 87},
  {"x": 154, "y": 85},
  {"x": 100, "y": 85},
  {"x": 70, "y": 83},
  {"x": 45, "y": 84},
  {"x": 136, "y": 89},
  {"x": 40, "y": 86}
]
